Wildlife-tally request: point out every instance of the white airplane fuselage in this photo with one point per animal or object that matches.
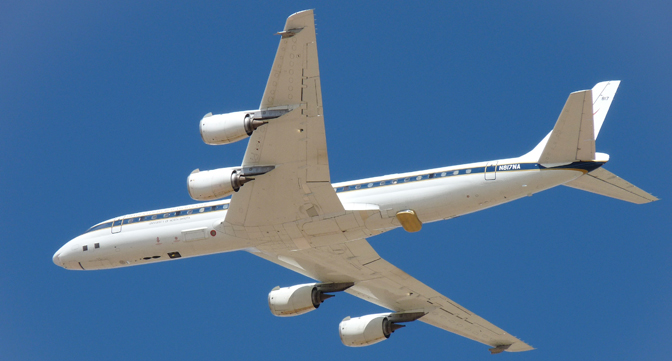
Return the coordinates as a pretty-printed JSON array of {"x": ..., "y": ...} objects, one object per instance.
[{"x": 200, "y": 229}]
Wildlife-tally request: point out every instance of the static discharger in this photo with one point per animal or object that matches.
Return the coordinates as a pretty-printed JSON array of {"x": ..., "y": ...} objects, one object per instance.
[{"x": 409, "y": 220}]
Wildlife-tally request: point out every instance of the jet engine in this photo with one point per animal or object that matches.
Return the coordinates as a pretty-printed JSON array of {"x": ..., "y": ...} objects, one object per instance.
[
  {"x": 228, "y": 128},
  {"x": 370, "y": 329},
  {"x": 219, "y": 183},
  {"x": 213, "y": 184},
  {"x": 300, "y": 299}
]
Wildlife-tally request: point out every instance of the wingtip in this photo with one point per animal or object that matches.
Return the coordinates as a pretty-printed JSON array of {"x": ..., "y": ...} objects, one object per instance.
[{"x": 519, "y": 346}]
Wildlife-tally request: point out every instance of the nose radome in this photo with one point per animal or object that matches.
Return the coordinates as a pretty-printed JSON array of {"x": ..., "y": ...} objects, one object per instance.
[{"x": 57, "y": 260}]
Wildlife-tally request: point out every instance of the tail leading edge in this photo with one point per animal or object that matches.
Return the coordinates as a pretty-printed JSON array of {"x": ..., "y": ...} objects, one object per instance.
[{"x": 573, "y": 140}]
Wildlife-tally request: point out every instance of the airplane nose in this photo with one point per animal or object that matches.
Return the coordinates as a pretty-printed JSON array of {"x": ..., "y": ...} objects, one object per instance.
[{"x": 57, "y": 260}]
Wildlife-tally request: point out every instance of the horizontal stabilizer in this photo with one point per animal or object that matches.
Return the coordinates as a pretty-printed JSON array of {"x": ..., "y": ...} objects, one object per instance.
[{"x": 603, "y": 182}]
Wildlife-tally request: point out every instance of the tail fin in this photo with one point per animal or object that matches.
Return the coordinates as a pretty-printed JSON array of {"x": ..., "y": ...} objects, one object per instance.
[
  {"x": 603, "y": 95},
  {"x": 573, "y": 137},
  {"x": 603, "y": 182}
]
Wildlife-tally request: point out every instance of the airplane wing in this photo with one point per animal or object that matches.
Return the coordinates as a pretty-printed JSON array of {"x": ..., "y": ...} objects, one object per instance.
[
  {"x": 295, "y": 143},
  {"x": 383, "y": 284},
  {"x": 295, "y": 215}
]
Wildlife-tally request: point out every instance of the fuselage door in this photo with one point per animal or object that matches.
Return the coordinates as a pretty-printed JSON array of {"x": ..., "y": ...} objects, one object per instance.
[
  {"x": 116, "y": 225},
  {"x": 491, "y": 171}
]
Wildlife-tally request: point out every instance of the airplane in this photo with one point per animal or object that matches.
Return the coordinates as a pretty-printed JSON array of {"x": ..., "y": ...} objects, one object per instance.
[{"x": 284, "y": 208}]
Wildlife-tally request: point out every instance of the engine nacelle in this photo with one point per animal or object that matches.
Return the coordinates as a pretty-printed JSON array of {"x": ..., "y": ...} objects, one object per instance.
[
  {"x": 300, "y": 299},
  {"x": 366, "y": 330},
  {"x": 214, "y": 184},
  {"x": 295, "y": 300},
  {"x": 228, "y": 128}
]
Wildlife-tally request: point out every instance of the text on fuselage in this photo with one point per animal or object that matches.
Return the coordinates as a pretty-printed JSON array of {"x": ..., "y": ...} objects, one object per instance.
[{"x": 509, "y": 167}]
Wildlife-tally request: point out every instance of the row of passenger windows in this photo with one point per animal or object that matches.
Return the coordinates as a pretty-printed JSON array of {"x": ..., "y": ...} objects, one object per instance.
[
  {"x": 159, "y": 216},
  {"x": 491, "y": 168},
  {"x": 337, "y": 189},
  {"x": 401, "y": 180}
]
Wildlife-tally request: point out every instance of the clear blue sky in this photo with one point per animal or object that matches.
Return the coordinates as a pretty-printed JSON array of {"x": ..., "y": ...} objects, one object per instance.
[{"x": 99, "y": 110}]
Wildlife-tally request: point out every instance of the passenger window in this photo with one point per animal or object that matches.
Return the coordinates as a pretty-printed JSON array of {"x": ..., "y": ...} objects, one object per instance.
[
  {"x": 456, "y": 172},
  {"x": 418, "y": 177},
  {"x": 97, "y": 245},
  {"x": 85, "y": 248},
  {"x": 468, "y": 171},
  {"x": 370, "y": 185}
]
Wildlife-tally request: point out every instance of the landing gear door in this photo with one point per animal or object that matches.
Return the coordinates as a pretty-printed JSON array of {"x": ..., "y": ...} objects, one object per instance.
[
  {"x": 116, "y": 225},
  {"x": 491, "y": 171}
]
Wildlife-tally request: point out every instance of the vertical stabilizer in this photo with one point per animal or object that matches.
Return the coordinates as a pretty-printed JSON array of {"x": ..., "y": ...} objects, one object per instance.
[
  {"x": 572, "y": 138},
  {"x": 603, "y": 95}
]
